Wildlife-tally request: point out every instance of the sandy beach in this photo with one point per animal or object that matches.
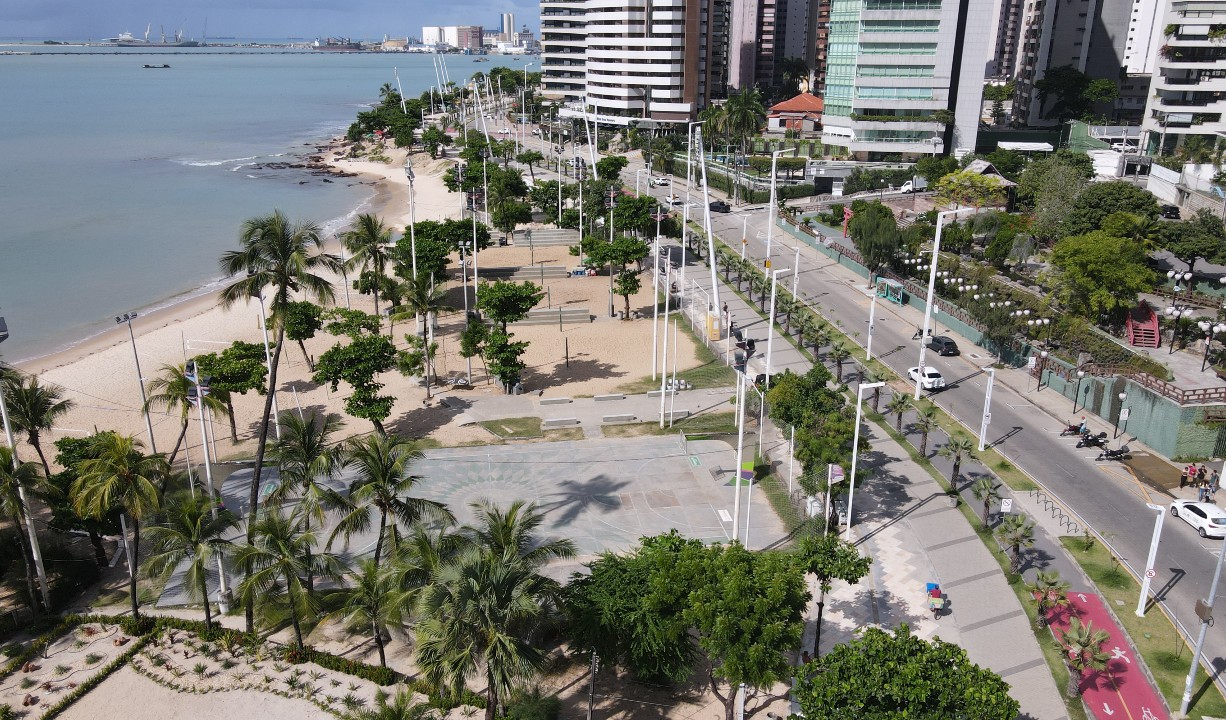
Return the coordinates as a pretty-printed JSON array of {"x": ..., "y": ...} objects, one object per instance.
[{"x": 100, "y": 376}]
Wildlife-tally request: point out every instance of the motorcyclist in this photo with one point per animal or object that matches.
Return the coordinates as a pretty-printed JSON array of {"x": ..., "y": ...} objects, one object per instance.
[{"x": 1083, "y": 428}]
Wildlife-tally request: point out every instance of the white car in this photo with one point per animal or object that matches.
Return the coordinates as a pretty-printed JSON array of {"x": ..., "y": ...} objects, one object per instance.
[
  {"x": 932, "y": 380},
  {"x": 659, "y": 181},
  {"x": 1208, "y": 519},
  {"x": 505, "y": 131},
  {"x": 674, "y": 200}
]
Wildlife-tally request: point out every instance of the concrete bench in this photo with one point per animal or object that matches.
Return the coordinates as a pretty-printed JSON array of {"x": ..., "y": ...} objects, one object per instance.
[
  {"x": 614, "y": 419},
  {"x": 558, "y": 423},
  {"x": 657, "y": 393},
  {"x": 555, "y": 401},
  {"x": 677, "y": 415},
  {"x": 606, "y": 398}
]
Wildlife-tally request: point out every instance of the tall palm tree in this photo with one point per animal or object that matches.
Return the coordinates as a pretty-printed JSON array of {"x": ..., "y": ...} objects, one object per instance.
[
  {"x": 306, "y": 456},
  {"x": 1016, "y": 532},
  {"x": 13, "y": 481},
  {"x": 371, "y": 603},
  {"x": 420, "y": 297},
  {"x": 744, "y": 115},
  {"x": 868, "y": 375},
  {"x": 818, "y": 335},
  {"x": 34, "y": 408},
  {"x": 190, "y": 533},
  {"x": 957, "y": 449},
  {"x": 283, "y": 256},
  {"x": 713, "y": 118},
  {"x": 169, "y": 392},
  {"x": 279, "y": 558},
  {"x": 987, "y": 490},
  {"x": 925, "y": 422},
  {"x": 839, "y": 354},
  {"x": 382, "y": 485},
  {"x": 899, "y": 403},
  {"x": 481, "y": 611},
  {"x": 119, "y": 474},
  {"x": 1082, "y": 647},
  {"x": 1049, "y": 591},
  {"x": 368, "y": 244}
]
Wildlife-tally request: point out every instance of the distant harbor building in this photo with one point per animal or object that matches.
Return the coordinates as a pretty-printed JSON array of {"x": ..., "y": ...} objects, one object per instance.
[
  {"x": 461, "y": 37},
  {"x": 508, "y": 27}
]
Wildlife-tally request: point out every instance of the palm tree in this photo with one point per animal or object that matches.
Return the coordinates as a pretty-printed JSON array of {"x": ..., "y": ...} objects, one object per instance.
[
  {"x": 16, "y": 478},
  {"x": 169, "y": 392},
  {"x": 120, "y": 475},
  {"x": 839, "y": 354},
  {"x": 868, "y": 375},
  {"x": 35, "y": 408},
  {"x": 306, "y": 455},
  {"x": 400, "y": 707},
  {"x": 761, "y": 285},
  {"x": 744, "y": 115},
  {"x": 1082, "y": 647},
  {"x": 192, "y": 531},
  {"x": 1016, "y": 532},
  {"x": 482, "y": 610},
  {"x": 898, "y": 404},
  {"x": 956, "y": 449},
  {"x": 368, "y": 244},
  {"x": 279, "y": 254},
  {"x": 1049, "y": 591},
  {"x": 420, "y": 297},
  {"x": 382, "y": 484},
  {"x": 278, "y": 559},
  {"x": 785, "y": 305},
  {"x": 372, "y": 603},
  {"x": 987, "y": 490},
  {"x": 713, "y": 118},
  {"x": 925, "y": 422},
  {"x": 818, "y": 335}
]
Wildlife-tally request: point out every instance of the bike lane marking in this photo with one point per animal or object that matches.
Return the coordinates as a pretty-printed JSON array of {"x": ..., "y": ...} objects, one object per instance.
[{"x": 1122, "y": 690}]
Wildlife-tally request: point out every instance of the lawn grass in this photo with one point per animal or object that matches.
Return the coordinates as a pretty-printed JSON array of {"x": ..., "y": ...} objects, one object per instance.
[
  {"x": 696, "y": 427},
  {"x": 1154, "y": 636},
  {"x": 560, "y": 434},
  {"x": 519, "y": 427},
  {"x": 710, "y": 373}
]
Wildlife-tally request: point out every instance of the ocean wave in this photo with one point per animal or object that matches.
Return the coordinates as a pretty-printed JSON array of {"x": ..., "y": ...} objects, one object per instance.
[{"x": 191, "y": 162}]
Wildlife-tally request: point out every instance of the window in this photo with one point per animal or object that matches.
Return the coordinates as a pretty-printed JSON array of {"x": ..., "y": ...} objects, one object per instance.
[
  {"x": 894, "y": 93},
  {"x": 895, "y": 71},
  {"x": 902, "y": 5},
  {"x": 897, "y": 26},
  {"x": 894, "y": 48}
]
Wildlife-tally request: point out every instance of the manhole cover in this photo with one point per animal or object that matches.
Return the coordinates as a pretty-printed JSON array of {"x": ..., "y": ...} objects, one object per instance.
[{"x": 977, "y": 356}]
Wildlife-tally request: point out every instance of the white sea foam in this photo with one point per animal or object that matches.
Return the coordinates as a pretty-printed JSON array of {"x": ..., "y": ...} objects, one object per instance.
[{"x": 212, "y": 163}]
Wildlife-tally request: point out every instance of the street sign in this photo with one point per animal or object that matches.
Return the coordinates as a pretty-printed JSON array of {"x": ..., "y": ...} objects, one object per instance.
[
  {"x": 1124, "y": 415},
  {"x": 1006, "y": 505},
  {"x": 987, "y": 419},
  {"x": 767, "y": 264},
  {"x": 1032, "y": 362},
  {"x": 1151, "y": 573}
]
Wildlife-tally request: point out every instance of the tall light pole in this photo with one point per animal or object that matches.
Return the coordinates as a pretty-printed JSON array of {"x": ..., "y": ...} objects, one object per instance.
[
  {"x": 770, "y": 325},
  {"x": 1160, "y": 513},
  {"x": 1081, "y": 375},
  {"x": 140, "y": 379},
  {"x": 637, "y": 192},
  {"x": 872, "y": 317},
  {"x": 1209, "y": 329},
  {"x": 196, "y": 395},
  {"x": 796, "y": 275},
  {"x": 741, "y": 397},
  {"x": 408, "y": 173},
  {"x": 855, "y": 449},
  {"x": 932, "y": 281},
  {"x": 35, "y": 549},
  {"x": 276, "y": 411},
  {"x": 1206, "y": 618},
  {"x": 1119, "y": 415},
  {"x": 987, "y": 409},
  {"x": 770, "y": 211}
]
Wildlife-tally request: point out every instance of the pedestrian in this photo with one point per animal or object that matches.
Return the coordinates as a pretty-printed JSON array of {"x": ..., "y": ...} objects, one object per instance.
[
  {"x": 1214, "y": 482},
  {"x": 1083, "y": 428},
  {"x": 804, "y": 657},
  {"x": 1200, "y": 475},
  {"x": 1183, "y": 478}
]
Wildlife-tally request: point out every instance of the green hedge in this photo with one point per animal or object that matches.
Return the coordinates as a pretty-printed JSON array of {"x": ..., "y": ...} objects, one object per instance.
[
  {"x": 378, "y": 675},
  {"x": 446, "y": 701}
]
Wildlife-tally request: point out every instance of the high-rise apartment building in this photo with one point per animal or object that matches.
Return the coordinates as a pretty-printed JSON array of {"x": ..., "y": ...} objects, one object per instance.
[
  {"x": 659, "y": 60},
  {"x": 1005, "y": 39},
  {"x": 464, "y": 37},
  {"x": 508, "y": 27},
  {"x": 756, "y": 41},
  {"x": 904, "y": 77},
  {"x": 1189, "y": 80}
]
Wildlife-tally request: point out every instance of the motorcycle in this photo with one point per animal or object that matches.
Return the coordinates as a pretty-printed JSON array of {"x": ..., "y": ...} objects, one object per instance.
[
  {"x": 1093, "y": 441},
  {"x": 1071, "y": 430},
  {"x": 1117, "y": 454}
]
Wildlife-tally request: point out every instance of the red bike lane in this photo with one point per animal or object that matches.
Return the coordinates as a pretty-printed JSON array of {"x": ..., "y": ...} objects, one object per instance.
[{"x": 1121, "y": 691}]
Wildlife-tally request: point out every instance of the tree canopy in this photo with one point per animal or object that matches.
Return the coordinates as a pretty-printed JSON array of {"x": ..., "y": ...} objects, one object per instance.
[
  {"x": 1099, "y": 200},
  {"x": 1099, "y": 274},
  {"x": 507, "y": 302},
  {"x": 874, "y": 232},
  {"x": 358, "y": 363}
]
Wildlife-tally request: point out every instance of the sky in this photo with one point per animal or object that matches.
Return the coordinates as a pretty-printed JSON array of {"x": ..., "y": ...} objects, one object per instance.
[{"x": 366, "y": 19}]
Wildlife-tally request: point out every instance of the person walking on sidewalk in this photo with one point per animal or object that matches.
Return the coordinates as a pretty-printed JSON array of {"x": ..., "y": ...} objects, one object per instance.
[
  {"x": 1214, "y": 481},
  {"x": 1183, "y": 476}
]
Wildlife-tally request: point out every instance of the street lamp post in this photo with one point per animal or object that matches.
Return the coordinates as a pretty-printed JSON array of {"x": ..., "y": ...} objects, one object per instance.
[
  {"x": 198, "y": 391},
  {"x": 35, "y": 548},
  {"x": 276, "y": 411},
  {"x": 1209, "y": 329},
  {"x": 987, "y": 409},
  {"x": 770, "y": 212},
  {"x": 1081, "y": 374},
  {"x": 855, "y": 451},
  {"x": 1206, "y": 620},
  {"x": 408, "y": 173},
  {"x": 796, "y": 275},
  {"x": 637, "y": 192},
  {"x": 872, "y": 316},
  {"x": 140, "y": 379},
  {"x": 932, "y": 281},
  {"x": 1160, "y": 512},
  {"x": 1177, "y": 313},
  {"x": 1116, "y": 432},
  {"x": 741, "y": 395},
  {"x": 770, "y": 325}
]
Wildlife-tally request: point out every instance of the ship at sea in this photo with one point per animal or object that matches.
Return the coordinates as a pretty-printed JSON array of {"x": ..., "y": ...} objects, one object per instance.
[
  {"x": 336, "y": 44},
  {"x": 127, "y": 40}
]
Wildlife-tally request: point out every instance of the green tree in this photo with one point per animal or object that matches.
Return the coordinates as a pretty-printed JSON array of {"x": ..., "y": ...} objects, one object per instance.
[
  {"x": 874, "y": 232},
  {"x": 189, "y": 533},
  {"x": 988, "y": 491},
  {"x": 1100, "y": 200},
  {"x": 743, "y": 116},
  {"x": 830, "y": 558},
  {"x": 1051, "y": 186},
  {"x": 382, "y": 481},
  {"x": 935, "y": 167},
  {"x": 302, "y": 320},
  {"x": 896, "y": 674},
  {"x": 627, "y": 284},
  {"x": 35, "y": 408},
  {"x": 1009, "y": 163},
  {"x": 343, "y": 322},
  {"x": 899, "y": 404},
  {"x": 71, "y": 451},
  {"x": 544, "y": 196},
  {"x": 1082, "y": 648},
  {"x": 839, "y": 354},
  {"x": 169, "y": 392},
  {"x": 968, "y": 188},
  {"x": 1048, "y": 591},
  {"x": 504, "y": 358},
  {"x": 1097, "y": 274},
  {"x": 507, "y": 302},
  {"x": 1200, "y": 238},
  {"x": 368, "y": 244},
  {"x": 306, "y": 456},
  {"x": 474, "y": 339},
  {"x": 357, "y": 363},
  {"x": 609, "y": 168},
  {"x": 434, "y": 140},
  {"x": 17, "y": 478},
  {"x": 238, "y": 370},
  {"x": 371, "y": 603},
  {"x": 957, "y": 449},
  {"x": 1015, "y": 532},
  {"x": 284, "y": 256},
  {"x": 118, "y": 474},
  {"x": 1075, "y": 93},
  {"x": 420, "y": 297},
  {"x": 481, "y": 613},
  {"x": 509, "y": 215},
  {"x": 925, "y": 422},
  {"x": 530, "y": 158},
  {"x": 280, "y": 556}
]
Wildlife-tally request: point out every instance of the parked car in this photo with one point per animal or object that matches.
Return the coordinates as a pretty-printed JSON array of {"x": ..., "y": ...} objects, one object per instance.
[
  {"x": 674, "y": 199},
  {"x": 1170, "y": 212},
  {"x": 1208, "y": 519},
  {"x": 1124, "y": 147},
  {"x": 659, "y": 181},
  {"x": 720, "y": 206},
  {"x": 931, "y": 380},
  {"x": 943, "y": 345}
]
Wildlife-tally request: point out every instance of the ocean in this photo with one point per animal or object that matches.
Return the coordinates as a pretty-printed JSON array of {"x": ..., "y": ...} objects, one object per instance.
[{"x": 121, "y": 186}]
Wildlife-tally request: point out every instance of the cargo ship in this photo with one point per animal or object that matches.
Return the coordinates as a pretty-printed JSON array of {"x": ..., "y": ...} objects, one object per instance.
[
  {"x": 127, "y": 40},
  {"x": 336, "y": 44}
]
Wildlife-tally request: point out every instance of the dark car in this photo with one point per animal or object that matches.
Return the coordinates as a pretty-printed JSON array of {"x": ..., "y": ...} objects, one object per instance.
[
  {"x": 720, "y": 206},
  {"x": 1170, "y": 212},
  {"x": 943, "y": 345}
]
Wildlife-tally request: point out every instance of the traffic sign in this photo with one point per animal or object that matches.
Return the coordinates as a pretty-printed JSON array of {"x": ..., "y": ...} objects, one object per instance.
[
  {"x": 1006, "y": 505},
  {"x": 1151, "y": 573},
  {"x": 767, "y": 264}
]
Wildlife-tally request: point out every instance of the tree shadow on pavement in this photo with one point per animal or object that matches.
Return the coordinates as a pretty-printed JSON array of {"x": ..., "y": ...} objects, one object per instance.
[
  {"x": 573, "y": 497},
  {"x": 421, "y": 421}
]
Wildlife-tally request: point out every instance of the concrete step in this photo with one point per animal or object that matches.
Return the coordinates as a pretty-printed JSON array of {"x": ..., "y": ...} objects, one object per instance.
[{"x": 551, "y": 316}]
